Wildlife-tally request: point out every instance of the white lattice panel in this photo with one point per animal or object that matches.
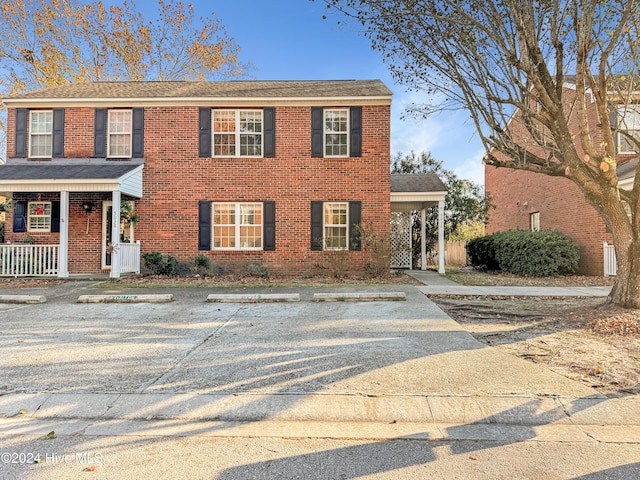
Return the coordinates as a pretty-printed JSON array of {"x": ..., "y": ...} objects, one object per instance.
[{"x": 400, "y": 239}]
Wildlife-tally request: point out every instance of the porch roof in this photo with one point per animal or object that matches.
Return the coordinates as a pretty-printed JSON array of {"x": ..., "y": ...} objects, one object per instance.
[
  {"x": 72, "y": 177},
  {"x": 415, "y": 191}
]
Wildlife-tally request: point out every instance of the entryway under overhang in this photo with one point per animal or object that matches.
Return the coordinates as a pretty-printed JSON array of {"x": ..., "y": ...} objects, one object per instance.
[{"x": 414, "y": 194}]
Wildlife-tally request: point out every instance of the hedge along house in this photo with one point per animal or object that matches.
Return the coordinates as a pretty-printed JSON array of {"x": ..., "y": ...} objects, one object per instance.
[{"x": 276, "y": 172}]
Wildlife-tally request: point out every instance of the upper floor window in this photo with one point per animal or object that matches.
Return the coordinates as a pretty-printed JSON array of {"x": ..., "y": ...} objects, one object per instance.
[
  {"x": 336, "y": 132},
  {"x": 39, "y": 216},
  {"x": 40, "y": 133},
  {"x": 630, "y": 122},
  {"x": 237, "y": 226},
  {"x": 237, "y": 133},
  {"x": 119, "y": 134}
]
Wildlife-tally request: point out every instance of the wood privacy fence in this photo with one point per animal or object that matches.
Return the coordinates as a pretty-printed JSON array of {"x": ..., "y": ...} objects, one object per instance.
[{"x": 455, "y": 253}]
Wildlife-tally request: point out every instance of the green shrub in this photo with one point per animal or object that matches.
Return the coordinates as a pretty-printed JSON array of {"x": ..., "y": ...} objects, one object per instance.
[
  {"x": 257, "y": 269},
  {"x": 159, "y": 264},
  {"x": 482, "y": 253},
  {"x": 536, "y": 254}
]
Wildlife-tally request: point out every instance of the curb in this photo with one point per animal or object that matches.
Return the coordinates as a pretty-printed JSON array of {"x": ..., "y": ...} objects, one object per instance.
[
  {"x": 23, "y": 299},
  {"x": 360, "y": 297},
  {"x": 150, "y": 298},
  {"x": 253, "y": 298}
]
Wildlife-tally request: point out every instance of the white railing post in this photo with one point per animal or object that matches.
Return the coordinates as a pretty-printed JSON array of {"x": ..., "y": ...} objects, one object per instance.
[
  {"x": 28, "y": 260},
  {"x": 610, "y": 261}
]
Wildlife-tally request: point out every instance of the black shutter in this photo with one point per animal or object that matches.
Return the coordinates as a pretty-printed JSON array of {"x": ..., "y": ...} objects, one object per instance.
[
  {"x": 58, "y": 133},
  {"x": 137, "y": 133},
  {"x": 269, "y": 132},
  {"x": 100, "y": 133},
  {"x": 355, "y": 219},
  {"x": 316, "y": 226},
  {"x": 317, "y": 116},
  {"x": 19, "y": 217},
  {"x": 20, "y": 149},
  {"x": 204, "y": 133},
  {"x": 204, "y": 225},
  {"x": 613, "y": 123},
  {"x": 269, "y": 225},
  {"x": 55, "y": 216},
  {"x": 355, "y": 134}
]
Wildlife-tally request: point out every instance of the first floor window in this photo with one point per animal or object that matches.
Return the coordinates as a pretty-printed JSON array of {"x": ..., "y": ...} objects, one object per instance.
[
  {"x": 535, "y": 222},
  {"x": 335, "y": 226},
  {"x": 237, "y": 226},
  {"x": 41, "y": 133},
  {"x": 39, "y": 216}
]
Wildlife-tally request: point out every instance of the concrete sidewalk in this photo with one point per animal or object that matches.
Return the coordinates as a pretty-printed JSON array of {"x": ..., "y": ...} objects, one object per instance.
[{"x": 436, "y": 284}]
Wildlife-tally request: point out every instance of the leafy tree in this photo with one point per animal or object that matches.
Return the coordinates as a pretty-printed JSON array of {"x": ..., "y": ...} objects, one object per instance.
[
  {"x": 465, "y": 202},
  {"x": 497, "y": 57}
]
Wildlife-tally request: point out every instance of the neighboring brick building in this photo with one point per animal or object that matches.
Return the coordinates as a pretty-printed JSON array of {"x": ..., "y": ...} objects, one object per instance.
[
  {"x": 527, "y": 200},
  {"x": 275, "y": 172}
]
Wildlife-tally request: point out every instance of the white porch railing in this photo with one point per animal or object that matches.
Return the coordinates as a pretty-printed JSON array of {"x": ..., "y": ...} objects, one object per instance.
[
  {"x": 610, "y": 265},
  {"x": 22, "y": 260},
  {"x": 130, "y": 257}
]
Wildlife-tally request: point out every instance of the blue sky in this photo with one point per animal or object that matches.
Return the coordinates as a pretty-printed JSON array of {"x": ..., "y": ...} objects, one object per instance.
[{"x": 289, "y": 40}]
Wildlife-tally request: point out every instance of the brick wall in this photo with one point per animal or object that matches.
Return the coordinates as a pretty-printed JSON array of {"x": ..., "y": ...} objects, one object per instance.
[
  {"x": 175, "y": 179},
  {"x": 561, "y": 204}
]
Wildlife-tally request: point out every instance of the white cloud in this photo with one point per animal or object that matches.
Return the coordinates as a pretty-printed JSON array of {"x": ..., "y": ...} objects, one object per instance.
[{"x": 472, "y": 168}]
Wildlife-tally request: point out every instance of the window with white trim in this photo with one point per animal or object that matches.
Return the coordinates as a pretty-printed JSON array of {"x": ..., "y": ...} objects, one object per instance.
[
  {"x": 335, "y": 226},
  {"x": 629, "y": 122},
  {"x": 336, "y": 132},
  {"x": 39, "y": 216},
  {"x": 237, "y": 226},
  {"x": 237, "y": 133},
  {"x": 119, "y": 133},
  {"x": 40, "y": 133},
  {"x": 535, "y": 221}
]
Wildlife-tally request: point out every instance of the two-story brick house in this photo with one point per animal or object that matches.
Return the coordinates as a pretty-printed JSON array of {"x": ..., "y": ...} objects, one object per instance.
[
  {"x": 278, "y": 172},
  {"x": 529, "y": 200}
]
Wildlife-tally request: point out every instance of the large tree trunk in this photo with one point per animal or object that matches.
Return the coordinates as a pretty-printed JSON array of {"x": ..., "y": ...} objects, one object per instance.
[{"x": 626, "y": 291}]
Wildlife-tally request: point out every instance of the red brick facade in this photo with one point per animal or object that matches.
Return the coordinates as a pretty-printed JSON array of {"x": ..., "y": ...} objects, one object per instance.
[
  {"x": 518, "y": 194},
  {"x": 176, "y": 178}
]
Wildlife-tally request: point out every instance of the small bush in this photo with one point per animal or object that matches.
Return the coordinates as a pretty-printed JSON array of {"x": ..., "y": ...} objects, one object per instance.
[
  {"x": 202, "y": 264},
  {"x": 257, "y": 269},
  {"x": 482, "y": 253},
  {"x": 159, "y": 264},
  {"x": 379, "y": 250},
  {"x": 536, "y": 254}
]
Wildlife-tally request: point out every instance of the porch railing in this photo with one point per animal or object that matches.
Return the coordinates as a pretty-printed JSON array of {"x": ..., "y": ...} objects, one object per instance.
[
  {"x": 610, "y": 265},
  {"x": 130, "y": 257},
  {"x": 22, "y": 260}
]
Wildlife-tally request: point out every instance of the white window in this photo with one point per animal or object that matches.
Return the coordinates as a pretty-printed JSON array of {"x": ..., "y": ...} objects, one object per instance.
[
  {"x": 629, "y": 122},
  {"x": 335, "y": 222},
  {"x": 119, "y": 134},
  {"x": 237, "y": 133},
  {"x": 237, "y": 226},
  {"x": 40, "y": 133},
  {"x": 336, "y": 133},
  {"x": 535, "y": 222},
  {"x": 39, "y": 216}
]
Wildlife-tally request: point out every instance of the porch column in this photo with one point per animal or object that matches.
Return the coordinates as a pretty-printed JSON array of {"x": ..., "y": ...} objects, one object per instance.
[
  {"x": 115, "y": 234},
  {"x": 441, "y": 236},
  {"x": 423, "y": 237},
  {"x": 63, "y": 252}
]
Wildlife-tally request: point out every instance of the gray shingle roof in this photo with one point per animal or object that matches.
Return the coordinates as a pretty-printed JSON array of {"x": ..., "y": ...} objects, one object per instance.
[
  {"x": 66, "y": 172},
  {"x": 232, "y": 89},
  {"x": 416, "y": 182},
  {"x": 627, "y": 170}
]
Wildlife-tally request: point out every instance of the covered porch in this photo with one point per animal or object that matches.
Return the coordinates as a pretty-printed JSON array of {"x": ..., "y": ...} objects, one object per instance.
[
  {"x": 414, "y": 194},
  {"x": 68, "y": 213}
]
